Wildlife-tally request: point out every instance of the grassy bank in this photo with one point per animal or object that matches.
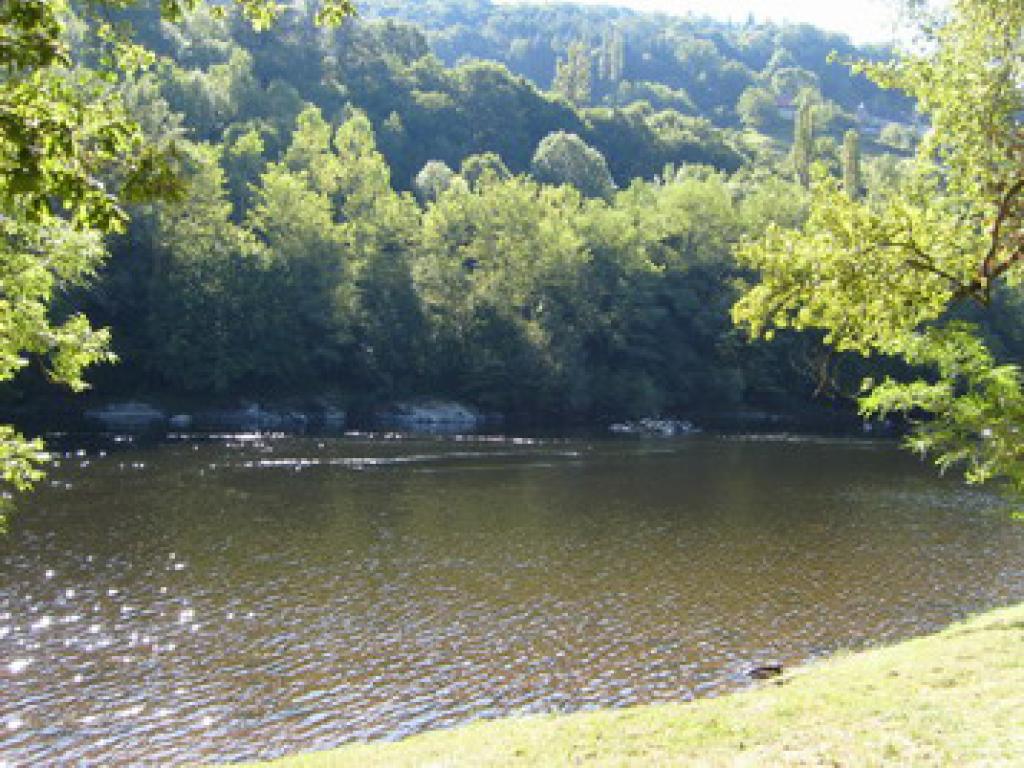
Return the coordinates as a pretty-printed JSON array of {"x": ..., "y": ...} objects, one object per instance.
[{"x": 955, "y": 698}]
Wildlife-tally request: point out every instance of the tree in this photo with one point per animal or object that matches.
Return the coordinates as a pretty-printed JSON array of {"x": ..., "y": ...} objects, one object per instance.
[
  {"x": 294, "y": 218},
  {"x": 617, "y": 57},
  {"x": 434, "y": 178},
  {"x": 802, "y": 153},
  {"x": 244, "y": 161},
  {"x": 564, "y": 158},
  {"x": 572, "y": 76},
  {"x": 789, "y": 82},
  {"x": 379, "y": 233},
  {"x": 62, "y": 129},
  {"x": 71, "y": 157},
  {"x": 206, "y": 294},
  {"x": 897, "y": 136},
  {"x": 498, "y": 265},
  {"x": 757, "y": 109},
  {"x": 890, "y": 274},
  {"x": 484, "y": 168},
  {"x": 851, "y": 163},
  {"x": 612, "y": 59}
]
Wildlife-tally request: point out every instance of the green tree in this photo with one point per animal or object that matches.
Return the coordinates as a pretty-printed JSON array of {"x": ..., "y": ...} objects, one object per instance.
[
  {"x": 774, "y": 200},
  {"x": 887, "y": 274},
  {"x": 206, "y": 323},
  {"x": 617, "y": 57},
  {"x": 564, "y": 158},
  {"x": 244, "y": 161},
  {"x": 310, "y": 152},
  {"x": 897, "y": 136},
  {"x": 499, "y": 272},
  {"x": 851, "y": 164},
  {"x": 434, "y": 178},
  {"x": 789, "y": 82},
  {"x": 62, "y": 129},
  {"x": 380, "y": 234},
  {"x": 573, "y": 75},
  {"x": 295, "y": 221},
  {"x": 757, "y": 109},
  {"x": 802, "y": 153},
  {"x": 70, "y": 157},
  {"x": 612, "y": 57},
  {"x": 484, "y": 168}
]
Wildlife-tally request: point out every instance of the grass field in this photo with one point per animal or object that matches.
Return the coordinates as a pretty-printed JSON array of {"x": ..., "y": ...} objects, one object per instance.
[{"x": 951, "y": 699}]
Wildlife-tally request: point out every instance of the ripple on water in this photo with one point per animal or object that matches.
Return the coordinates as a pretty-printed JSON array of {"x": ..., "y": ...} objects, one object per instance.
[{"x": 167, "y": 616}]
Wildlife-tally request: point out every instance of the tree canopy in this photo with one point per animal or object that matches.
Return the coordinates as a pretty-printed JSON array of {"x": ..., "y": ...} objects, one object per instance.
[
  {"x": 895, "y": 274},
  {"x": 71, "y": 157},
  {"x": 564, "y": 158},
  {"x": 370, "y": 211}
]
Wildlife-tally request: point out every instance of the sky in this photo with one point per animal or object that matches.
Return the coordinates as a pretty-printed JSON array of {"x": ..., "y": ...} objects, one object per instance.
[{"x": 866, "y": 21}]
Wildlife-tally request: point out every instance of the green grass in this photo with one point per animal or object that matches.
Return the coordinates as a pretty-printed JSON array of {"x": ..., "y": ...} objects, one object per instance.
[{"x": 951, "y": 699}]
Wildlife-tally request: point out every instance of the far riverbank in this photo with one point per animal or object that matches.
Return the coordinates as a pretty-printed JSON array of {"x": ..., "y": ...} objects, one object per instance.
[{"x": 157, "y": 415}]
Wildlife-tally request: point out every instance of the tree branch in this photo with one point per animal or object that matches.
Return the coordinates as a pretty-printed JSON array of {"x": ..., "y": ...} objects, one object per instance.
[
  {"x": 988, "y": 266},
  {"x": 921, "y": 261}
]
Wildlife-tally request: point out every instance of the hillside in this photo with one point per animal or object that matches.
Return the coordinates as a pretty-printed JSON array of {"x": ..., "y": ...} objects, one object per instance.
[
  {"x": 700, "y": 65},
  {"x": 532, "y": 209}
]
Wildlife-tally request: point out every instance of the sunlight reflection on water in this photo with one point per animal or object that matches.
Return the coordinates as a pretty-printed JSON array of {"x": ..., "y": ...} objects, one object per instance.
[{"x": 200, "y": 601}]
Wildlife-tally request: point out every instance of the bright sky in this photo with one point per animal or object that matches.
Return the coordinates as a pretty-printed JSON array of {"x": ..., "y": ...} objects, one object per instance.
[{"x": 866, "y": 21}]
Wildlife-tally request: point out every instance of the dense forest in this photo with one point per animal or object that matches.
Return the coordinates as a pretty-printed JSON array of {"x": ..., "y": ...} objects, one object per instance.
[{"x": 533, "y": 209}]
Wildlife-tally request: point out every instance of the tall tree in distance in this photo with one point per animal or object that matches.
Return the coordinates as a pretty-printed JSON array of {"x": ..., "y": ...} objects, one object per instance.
[
  {"x": 617, "y": 65},
  {"x": 612, "y": 57},
  {"x": 205, "y": 265},
  {"x": 573, "y": 75},
  {"x": 851, "y": 163},
  {"x": 802, "y": 154}
]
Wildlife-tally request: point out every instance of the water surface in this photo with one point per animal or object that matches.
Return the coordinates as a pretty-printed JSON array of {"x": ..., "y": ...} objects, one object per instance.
[{"x": 239, "y": 598}]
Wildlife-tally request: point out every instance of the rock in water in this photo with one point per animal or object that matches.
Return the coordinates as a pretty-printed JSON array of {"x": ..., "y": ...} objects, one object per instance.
[
  {"x": 654, "y": 428},
  {"x": 765, "y": 671},
  {"x": 180, "y": 421},
  {"x": 131, "y": 416},
  {"x": 431, "y": 415}
]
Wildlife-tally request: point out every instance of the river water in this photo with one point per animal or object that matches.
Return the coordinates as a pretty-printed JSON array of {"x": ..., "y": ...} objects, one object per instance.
[{"x": 236, "y": 598}]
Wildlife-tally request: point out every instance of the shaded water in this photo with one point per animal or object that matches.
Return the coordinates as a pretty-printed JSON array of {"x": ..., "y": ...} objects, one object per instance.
[{"x": 244, "y": 598}]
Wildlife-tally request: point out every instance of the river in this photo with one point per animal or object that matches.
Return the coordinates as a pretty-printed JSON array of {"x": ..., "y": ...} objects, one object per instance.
[{"x": 242, "y": 597}]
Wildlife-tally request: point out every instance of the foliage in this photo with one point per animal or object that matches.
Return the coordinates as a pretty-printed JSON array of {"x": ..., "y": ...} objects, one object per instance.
[
  {"x": 573, "y": 76},
  {"x": 611, "y": 62},
  {"x": 434, "y": 178},
  {"x": 564, "y": 158},
  {"x": 496, "y": 274},
  {"x": 208, "y": 273},
  {"x": 976, "y": 403},
  {"x": 886, "y": 275},
  {"x": 802, "y": 154},
  {"x": 658, "y": 95},
  {"x": 484, "y": 168},
  {"x": 757, "y": 109},
  {"x": 71, "y": 157},
  {"x": 294, "y": 260},
  {"x": 852, "y": 181},
  {"x": 510, "y": 293},
  {"x": 898, "y": 136}
]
